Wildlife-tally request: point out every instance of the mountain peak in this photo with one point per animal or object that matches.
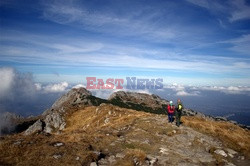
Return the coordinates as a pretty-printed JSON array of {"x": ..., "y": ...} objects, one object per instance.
[
  {"x": 126, "y": 129},
  {"x": 111, "y": 135},
  {"x": 74, "y": 96},
  {"x": 139, "y": 101}
]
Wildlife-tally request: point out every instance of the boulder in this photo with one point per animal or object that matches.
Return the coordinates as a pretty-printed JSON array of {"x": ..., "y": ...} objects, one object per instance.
[
  {"x": 93, "y": 164},
  {"x": 220, "y": 152},
  {"x": 54, "y": 122},
  {"x": 35, "y": 128}
]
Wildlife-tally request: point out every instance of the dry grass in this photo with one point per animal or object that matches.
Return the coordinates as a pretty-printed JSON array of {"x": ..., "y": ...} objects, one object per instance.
[
  {"x": 38, "y": 150},
  {"x": 93, "y": 119},
  {"x": 96, "y": 128},
  {"x": 87, "y": 130},
  {"x": 231, "y": 135}
]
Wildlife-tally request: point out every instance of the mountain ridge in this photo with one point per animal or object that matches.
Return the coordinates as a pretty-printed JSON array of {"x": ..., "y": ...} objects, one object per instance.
[{"x": 81, "y": 129}]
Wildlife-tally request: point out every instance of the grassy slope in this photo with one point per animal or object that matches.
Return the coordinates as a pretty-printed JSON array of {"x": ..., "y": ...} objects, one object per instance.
[
  {"x": 96, "y": 128},
  {"x": 86, "y": 132},
  {"x": 232, "y": 135}
]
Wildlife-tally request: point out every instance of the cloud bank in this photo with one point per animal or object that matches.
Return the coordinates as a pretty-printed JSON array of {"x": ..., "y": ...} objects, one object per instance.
[
  {"x": 21, "y": 95},
  {"x": 189, "y": 90}
]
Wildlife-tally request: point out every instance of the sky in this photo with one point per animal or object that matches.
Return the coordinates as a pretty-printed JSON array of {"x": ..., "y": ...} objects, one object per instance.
[{"x": 198, "y": 42}]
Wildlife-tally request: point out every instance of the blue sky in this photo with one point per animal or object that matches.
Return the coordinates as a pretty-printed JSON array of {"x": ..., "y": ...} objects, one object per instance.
[{"x": 200, "y": 42}]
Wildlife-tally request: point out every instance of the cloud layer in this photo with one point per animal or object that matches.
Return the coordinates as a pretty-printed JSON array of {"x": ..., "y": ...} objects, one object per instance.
[
  {"x": 189, "y": 90},
  {"x": 204, "y": 39},
  {"x": 21, "y": 95}
]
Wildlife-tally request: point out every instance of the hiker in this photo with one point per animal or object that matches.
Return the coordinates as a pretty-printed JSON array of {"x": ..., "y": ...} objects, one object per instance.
[
  {"x": 178, "y": 112},
  {"x": 171, "y": 110}
]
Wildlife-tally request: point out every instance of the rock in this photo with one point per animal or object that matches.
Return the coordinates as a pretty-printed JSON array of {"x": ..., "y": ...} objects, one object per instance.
[
  {"x": 97, "y": 110},
  {"x": 229, "y": 164},
  {"x": 17, "y": 143},
  {"x": 35, "y": 128},
  {"x": 164, "y": 150},
  {"x": 54, "y": 121},
  {"x": 204, "y": 157},
  {"x": 77, "y": 158},
  {"x": 220, "y": 118},
  {"x": 231, "y": 152},
  {"x": 57, "y": 156},
  {"x": 58, "y": 144},
  {"x": 74, "y": 96},
  {"x": 146, "y": 141},
  {"x": 120, "y": 155},
  {"x": 111, "y": 159},
  {"x": 220, "y": 152},
  {"x": 151, "y": 160},
  {"x": 106, "y": 121},
  {"x": 234, "y": 122},
  {"x": 93, "y": 164},
  {"x": 241, "y": 158},
  {"x": 188, "y": 112},
  {"x": 139, "y": 101}
]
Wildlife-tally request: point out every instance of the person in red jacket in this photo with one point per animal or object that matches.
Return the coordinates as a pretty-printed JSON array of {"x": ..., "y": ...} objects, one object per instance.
[{"x": 171, "y": 110}]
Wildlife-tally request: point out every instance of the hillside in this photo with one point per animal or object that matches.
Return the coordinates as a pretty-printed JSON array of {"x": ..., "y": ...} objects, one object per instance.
[{"x": 106, "y": 134}]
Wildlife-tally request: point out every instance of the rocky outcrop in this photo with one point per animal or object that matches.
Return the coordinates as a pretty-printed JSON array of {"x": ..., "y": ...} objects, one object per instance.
[
  {"x": 110, "y": 135},
  {"x": 145, "y": 102},
  {"x": 75, "y": 99},
  {"x": 54, "y": 121},
  {"x": 54, "y": 117},
  {"x": 79, "y": 97},
  {"x": 35, "y": 128},
  {"x": 139, "y": 101},
  {"x": 74, "y": 96}
]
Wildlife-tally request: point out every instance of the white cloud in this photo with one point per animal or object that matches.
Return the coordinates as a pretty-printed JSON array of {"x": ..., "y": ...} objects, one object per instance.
[
  {"x": 125, "y": 24},
  {"x": 14, "y": 84},
  {"x": 79, "y": 86},
  {"x": 181, "y": 90},
  {"x": 241, "y": 12},
  {"x": 176, "y": 87},
  {"x": 7, "y": 76},
  {"x": 212, "y": 5},
  {"x": 226, "y": 89},
  {"x": 110, "y": 54},
  {"x": 241, "y": 44},
  {"x": 237, "y": 90},
  {"x": 184, "y": 93},
  {"x": 60, "y": 87},
  {"x": 105, "y": 94},
  {"x": 237, "y": 9},
  {"x": 38, "y": 86}
]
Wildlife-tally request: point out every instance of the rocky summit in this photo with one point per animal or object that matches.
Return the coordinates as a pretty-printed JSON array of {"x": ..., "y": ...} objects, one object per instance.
[
  {"x": 139, "y": 101},
  {"x": 80, "y": 129}
]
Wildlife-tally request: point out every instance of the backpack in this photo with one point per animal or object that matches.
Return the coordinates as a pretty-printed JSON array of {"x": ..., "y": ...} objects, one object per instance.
[{"x": 179, "y": 108}]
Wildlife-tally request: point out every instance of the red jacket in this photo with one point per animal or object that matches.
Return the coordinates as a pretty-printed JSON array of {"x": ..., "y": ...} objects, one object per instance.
[{"x": 171, "y": 109}]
